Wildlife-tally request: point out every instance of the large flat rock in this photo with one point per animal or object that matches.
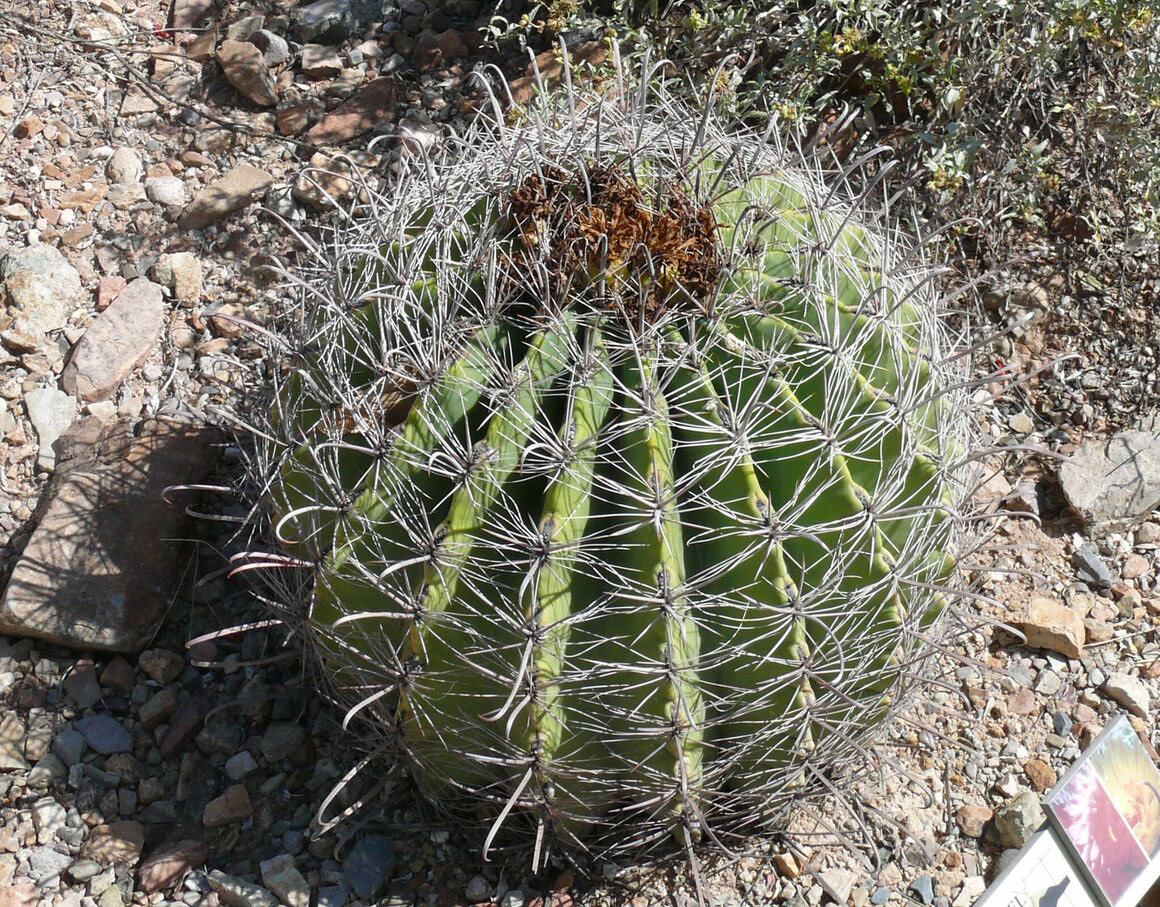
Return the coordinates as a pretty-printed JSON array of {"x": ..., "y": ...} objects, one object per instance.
[
  {"x": 1114, "y": 483},
  {"x": 117, "y": 342},
  {"x": 102, "y": 565}
]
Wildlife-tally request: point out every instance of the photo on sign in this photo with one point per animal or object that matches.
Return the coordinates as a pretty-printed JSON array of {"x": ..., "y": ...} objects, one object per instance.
[
  {"x": 1108, "y": 807},
  {"x": 1041, "y": 876}
]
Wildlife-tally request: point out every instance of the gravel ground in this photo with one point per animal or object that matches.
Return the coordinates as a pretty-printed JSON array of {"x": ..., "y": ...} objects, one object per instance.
[{"x": 191, "y": 774}]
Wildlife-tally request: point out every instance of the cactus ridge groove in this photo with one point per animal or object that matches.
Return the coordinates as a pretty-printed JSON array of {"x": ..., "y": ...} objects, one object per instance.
[{"x": 623, "y": 451}]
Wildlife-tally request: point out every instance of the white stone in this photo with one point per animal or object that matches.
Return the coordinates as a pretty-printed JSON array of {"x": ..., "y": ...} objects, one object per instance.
[
  {"x": 166, "y": 190},
  {"x": 282, "y": 877},
  {"x": 40, "y": 288},
  {"x": 973, "y": 888},
  {"x": 51, "y": 412},
  {"x": 1130, "y": 692},
  {"x": 12, "y": 734},
  {"x": 125, "y": 167},
  {"x": 47, "y": 817}
]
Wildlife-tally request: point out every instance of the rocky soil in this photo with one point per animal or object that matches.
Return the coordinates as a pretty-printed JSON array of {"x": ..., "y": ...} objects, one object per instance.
[{"x": 141, "y": 145}]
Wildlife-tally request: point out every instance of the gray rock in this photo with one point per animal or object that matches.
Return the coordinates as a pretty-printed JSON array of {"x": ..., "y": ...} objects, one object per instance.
[
  {"x": 281, "y": 740},
  {"x": 47, "y": 772},
  {"x": 116, "y": 342},
  {"x": 275, "y": 50},
  {"x": 838, "y": 883},
  {"x": 1061, "y": 723},
  {"x": 333, "y": 895},
  {"x": 125, "y": 167},
  {"x": 371, "y": 861},
  {"x": 478, "y": 889},
  {"x": 1018, "y": 820},
  {"x": 45, "y": 863},
  {"x": 1048, "y": 683},
  {"x": 220, "y": 734},
  {"x": 923, "y": 889},
  {"x": 240, "y": 765},
  {"x": 47, "y": 816},
  {"x": 105, "y": 734},
  {"x": 881, "y": 896},
  {"x": 81, "y": 686},
  {"x": 97, "y": 572},
  {"x": 244, "y": 28},
  {"x": 39, "y": 288},
  {"x": 333, "y": 21},
  {"x": 51, "y": 412},
  {"x": 69, "y": 745},
  {"x": 1090, "y": 567},
  {"x": 1113, "y": 483},
  {"x": 83, "y": 870}
]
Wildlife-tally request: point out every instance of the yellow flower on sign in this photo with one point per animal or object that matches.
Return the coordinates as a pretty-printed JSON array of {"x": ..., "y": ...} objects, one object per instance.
[{"x": 1133, "y": 783}]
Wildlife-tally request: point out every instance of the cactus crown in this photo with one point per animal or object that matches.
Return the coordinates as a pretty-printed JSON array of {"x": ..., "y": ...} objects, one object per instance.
[
  {"x": 597, "y": 226},
  {"x": 620, "y": 453}
]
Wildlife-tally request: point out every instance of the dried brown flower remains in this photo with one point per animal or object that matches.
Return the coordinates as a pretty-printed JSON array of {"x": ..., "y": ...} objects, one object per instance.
[{"x": 596, "y": 228}]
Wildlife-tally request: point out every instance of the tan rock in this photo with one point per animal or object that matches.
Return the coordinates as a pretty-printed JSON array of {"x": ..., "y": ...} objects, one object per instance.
[
  {"x": 320, "y": 61},
  {"x": 372, "y": 104},
  {"x": 116, "y": 844},
  {"x": 1136, "y": 565},
  {"x": 95, "y": 574},
  {"x": 1131, "y": 692},
  {"x": 165, "y": 867},
  {"x": 973, "y": 818},
  {"x": 109, "y": 289},
  {"x": 235, "y": 190},
  {"x": 294, "y": 120},
  {"x": 187, "y": 13},
  {"x": 22, "y": 895},
  {"x": 246, "y": 69},
  {"x": 1041, "y": 775},
  {"x": 201, "y": 49},
  {"x": 551, "y": 69},
  {"x": 232, "y": 806},
  {"x": 116, "y": 343},
  {"x": 1096, "y": 631},
  {"x": 1047, "y": 624}
]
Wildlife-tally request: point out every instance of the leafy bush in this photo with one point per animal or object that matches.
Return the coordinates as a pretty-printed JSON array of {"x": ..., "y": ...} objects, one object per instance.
[{"x": 986, "y": 101}]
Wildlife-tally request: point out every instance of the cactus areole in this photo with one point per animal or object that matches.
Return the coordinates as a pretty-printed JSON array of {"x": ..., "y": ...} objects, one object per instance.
[{"x": 620, "y": 454}]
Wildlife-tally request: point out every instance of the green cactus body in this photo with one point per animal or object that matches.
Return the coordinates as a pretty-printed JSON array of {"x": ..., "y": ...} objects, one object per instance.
[{"x": 668, "y": 503}]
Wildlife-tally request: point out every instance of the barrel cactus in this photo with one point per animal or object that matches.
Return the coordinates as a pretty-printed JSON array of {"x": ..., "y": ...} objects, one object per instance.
[{"x": 620, "y": 453}]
